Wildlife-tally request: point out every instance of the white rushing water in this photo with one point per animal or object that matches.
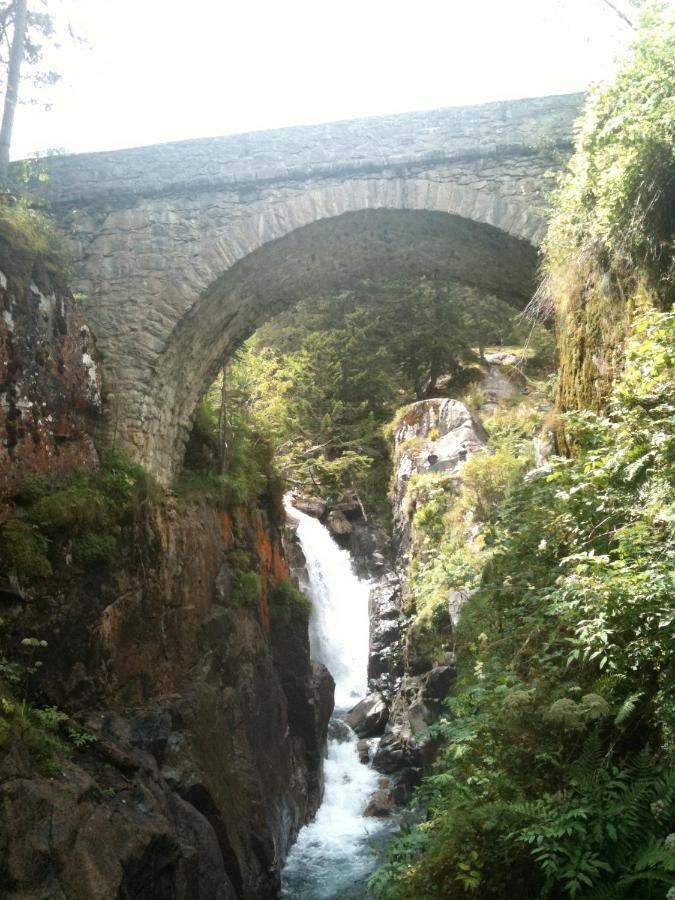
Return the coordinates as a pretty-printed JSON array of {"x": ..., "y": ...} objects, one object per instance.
[{"x": 332, "y": 857}]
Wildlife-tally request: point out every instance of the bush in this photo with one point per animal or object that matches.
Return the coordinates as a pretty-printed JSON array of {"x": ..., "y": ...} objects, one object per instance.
[{"x": 556, "y": 776}]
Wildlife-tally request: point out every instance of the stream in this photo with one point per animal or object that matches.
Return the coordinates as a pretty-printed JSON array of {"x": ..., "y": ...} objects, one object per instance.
[{"x": 333, "y": 857}]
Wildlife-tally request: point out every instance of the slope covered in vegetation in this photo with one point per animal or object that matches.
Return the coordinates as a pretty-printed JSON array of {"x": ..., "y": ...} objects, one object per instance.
[
  {"x": 556, "y": 777},
  {"x": 320, "y": 382}
]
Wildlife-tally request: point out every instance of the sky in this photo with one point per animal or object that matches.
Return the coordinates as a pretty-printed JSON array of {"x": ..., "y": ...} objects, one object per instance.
[{"x": 163, "y": 70}]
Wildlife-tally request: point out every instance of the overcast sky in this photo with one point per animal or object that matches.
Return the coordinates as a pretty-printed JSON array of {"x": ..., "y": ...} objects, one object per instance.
[{"x": 162, "y": 70}]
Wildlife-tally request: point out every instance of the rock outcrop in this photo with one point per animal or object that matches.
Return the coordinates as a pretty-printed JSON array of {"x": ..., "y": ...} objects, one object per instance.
[
  {"x": 432, "y": 436},
  {"x": 204, "y": 719},
  {"x": 210, "y": 724},
  {"x": 50, "y": 385},
  {"x": 435, "y": 435}
]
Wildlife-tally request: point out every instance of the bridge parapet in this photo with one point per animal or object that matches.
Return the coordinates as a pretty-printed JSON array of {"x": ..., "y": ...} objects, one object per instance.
[{"x": 339, "y": 148}]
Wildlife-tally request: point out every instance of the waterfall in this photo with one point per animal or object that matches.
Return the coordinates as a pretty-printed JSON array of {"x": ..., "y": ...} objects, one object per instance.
[{"x": 332, "y": 857}]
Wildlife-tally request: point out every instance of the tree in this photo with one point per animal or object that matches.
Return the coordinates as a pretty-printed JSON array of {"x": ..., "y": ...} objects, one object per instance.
[
  {"x": 24, "y": 32},
  {"x": 16, "y": 55}
]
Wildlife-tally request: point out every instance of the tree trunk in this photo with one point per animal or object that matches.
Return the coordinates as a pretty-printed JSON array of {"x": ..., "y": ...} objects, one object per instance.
[
  {"x": 223, "y": 442},
  {"x": 13, "y": 78}
]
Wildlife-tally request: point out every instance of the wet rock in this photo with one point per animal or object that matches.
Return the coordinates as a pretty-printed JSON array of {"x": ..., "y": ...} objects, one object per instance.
[
  {"x": 381, "y": 804},
  {"x": 369, "y": 717},
  {"x": 395, "y": 754},
  {"x": 311, "y": 506},
  {"x": 438, "y": 683},
  {"x": 385, "y": 661},
  {"x": 339, "y": 731},
  {"x": 363, "y": 749},
  {"x": 349, "y": 506},
  {"x": 338, "y": 523}
]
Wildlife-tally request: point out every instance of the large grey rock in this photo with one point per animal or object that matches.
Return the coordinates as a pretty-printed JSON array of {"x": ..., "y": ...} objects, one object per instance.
[
  {"x": 369, "y": 717},
  {"x": 438, "y": 683},
  {"x": 457, "y": 433},
  {"x": 381, "y": 804},
  {"x": 338, "y": 523},
  {"x": 311, "y": 506}
]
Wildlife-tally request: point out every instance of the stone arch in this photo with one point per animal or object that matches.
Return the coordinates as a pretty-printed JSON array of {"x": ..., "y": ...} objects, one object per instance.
[{"x": 287, "y": 244}]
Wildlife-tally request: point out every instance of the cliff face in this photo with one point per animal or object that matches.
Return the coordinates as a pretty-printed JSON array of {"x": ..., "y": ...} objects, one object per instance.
[
  {"x": 210, "y": 723},
  {"x": 49, "y": 377},
  {"x": 209, "y": 719}
]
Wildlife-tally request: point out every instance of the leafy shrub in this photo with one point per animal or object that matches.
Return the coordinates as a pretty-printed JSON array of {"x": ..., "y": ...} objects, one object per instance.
[{"x": 556, "y": 776}]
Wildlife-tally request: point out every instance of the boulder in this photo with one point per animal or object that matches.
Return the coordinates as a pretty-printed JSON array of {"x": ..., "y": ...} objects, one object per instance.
[
  {"x": 381, "y": 804},
  {"x": 395, "y": 754},
  {"x": 369, "y": 717},
  {"x": 363, "y": 749},
  {"x": 338, "y": 731},
  {"x": 338, "y": 523},
  {"x": 438, "y": 684},
  {"x": 311, "y": 506},
  {"x": 419, "y": 717}
]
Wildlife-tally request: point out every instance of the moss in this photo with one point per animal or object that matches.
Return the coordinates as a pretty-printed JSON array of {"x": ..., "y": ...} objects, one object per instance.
[
  {"x": 246, "y": 589},
  {"x": 31, "y": 231},
  {"x": 287, "y": 602},
  {"x": 82, "y": 514},
  {"x": 24, "y": 550}
]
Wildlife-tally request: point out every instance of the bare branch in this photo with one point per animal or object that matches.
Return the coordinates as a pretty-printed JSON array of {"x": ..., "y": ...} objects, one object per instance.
[{"x": 620, "y": 13}]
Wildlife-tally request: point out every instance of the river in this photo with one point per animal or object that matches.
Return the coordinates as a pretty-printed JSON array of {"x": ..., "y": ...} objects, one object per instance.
[{"x": 333, "y": 856}]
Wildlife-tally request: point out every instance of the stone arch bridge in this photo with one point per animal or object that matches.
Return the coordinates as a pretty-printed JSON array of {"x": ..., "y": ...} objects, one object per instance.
[{"x": 182, "y": 250}]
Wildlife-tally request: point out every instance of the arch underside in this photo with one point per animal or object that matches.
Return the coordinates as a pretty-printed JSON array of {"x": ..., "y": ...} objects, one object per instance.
[{"x": 317, "y": 259}]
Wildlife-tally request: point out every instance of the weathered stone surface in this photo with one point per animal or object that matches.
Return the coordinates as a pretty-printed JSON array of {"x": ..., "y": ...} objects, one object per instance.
[
  {"x": 311, "y": 506},
  {"x": 381, "y": 805},
  {"x": 460, "y": 433},
  {"x": 49, "y": 371},
  {"x": 363, "y": 749},
  {"x": 338, "y": 523},
  {"x": 368, "y": 717},
  {"x": 438, "y": 684},
  {"x": 60, "y": 837},
  {"x": 387, "y": 622},
  {"x": 211, "y": 724},
  {"x": 179, "y": 247}
]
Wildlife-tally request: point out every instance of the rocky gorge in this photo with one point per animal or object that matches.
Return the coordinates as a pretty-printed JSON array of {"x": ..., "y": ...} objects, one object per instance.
[
  {"x": 409, "y": 676},
  {"x": 164, "y": 725}
]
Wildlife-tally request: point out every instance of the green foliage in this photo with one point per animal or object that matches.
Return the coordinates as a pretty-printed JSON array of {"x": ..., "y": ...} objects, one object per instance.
[
  {"x": 287, "y": 602},
  {"x": 76, "y": 519},
  {"x": 229, "y": 462},
  {"x": 556, "y": 776},
  {"x": 618, "y": 198},
  {"x": 246, "y": 589},
  {"x": 47, "y": 732},
  {"x": 322, "y": 381},
  {"x": 24, "y": 550},
  {"x": 609, "y": 248}
]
